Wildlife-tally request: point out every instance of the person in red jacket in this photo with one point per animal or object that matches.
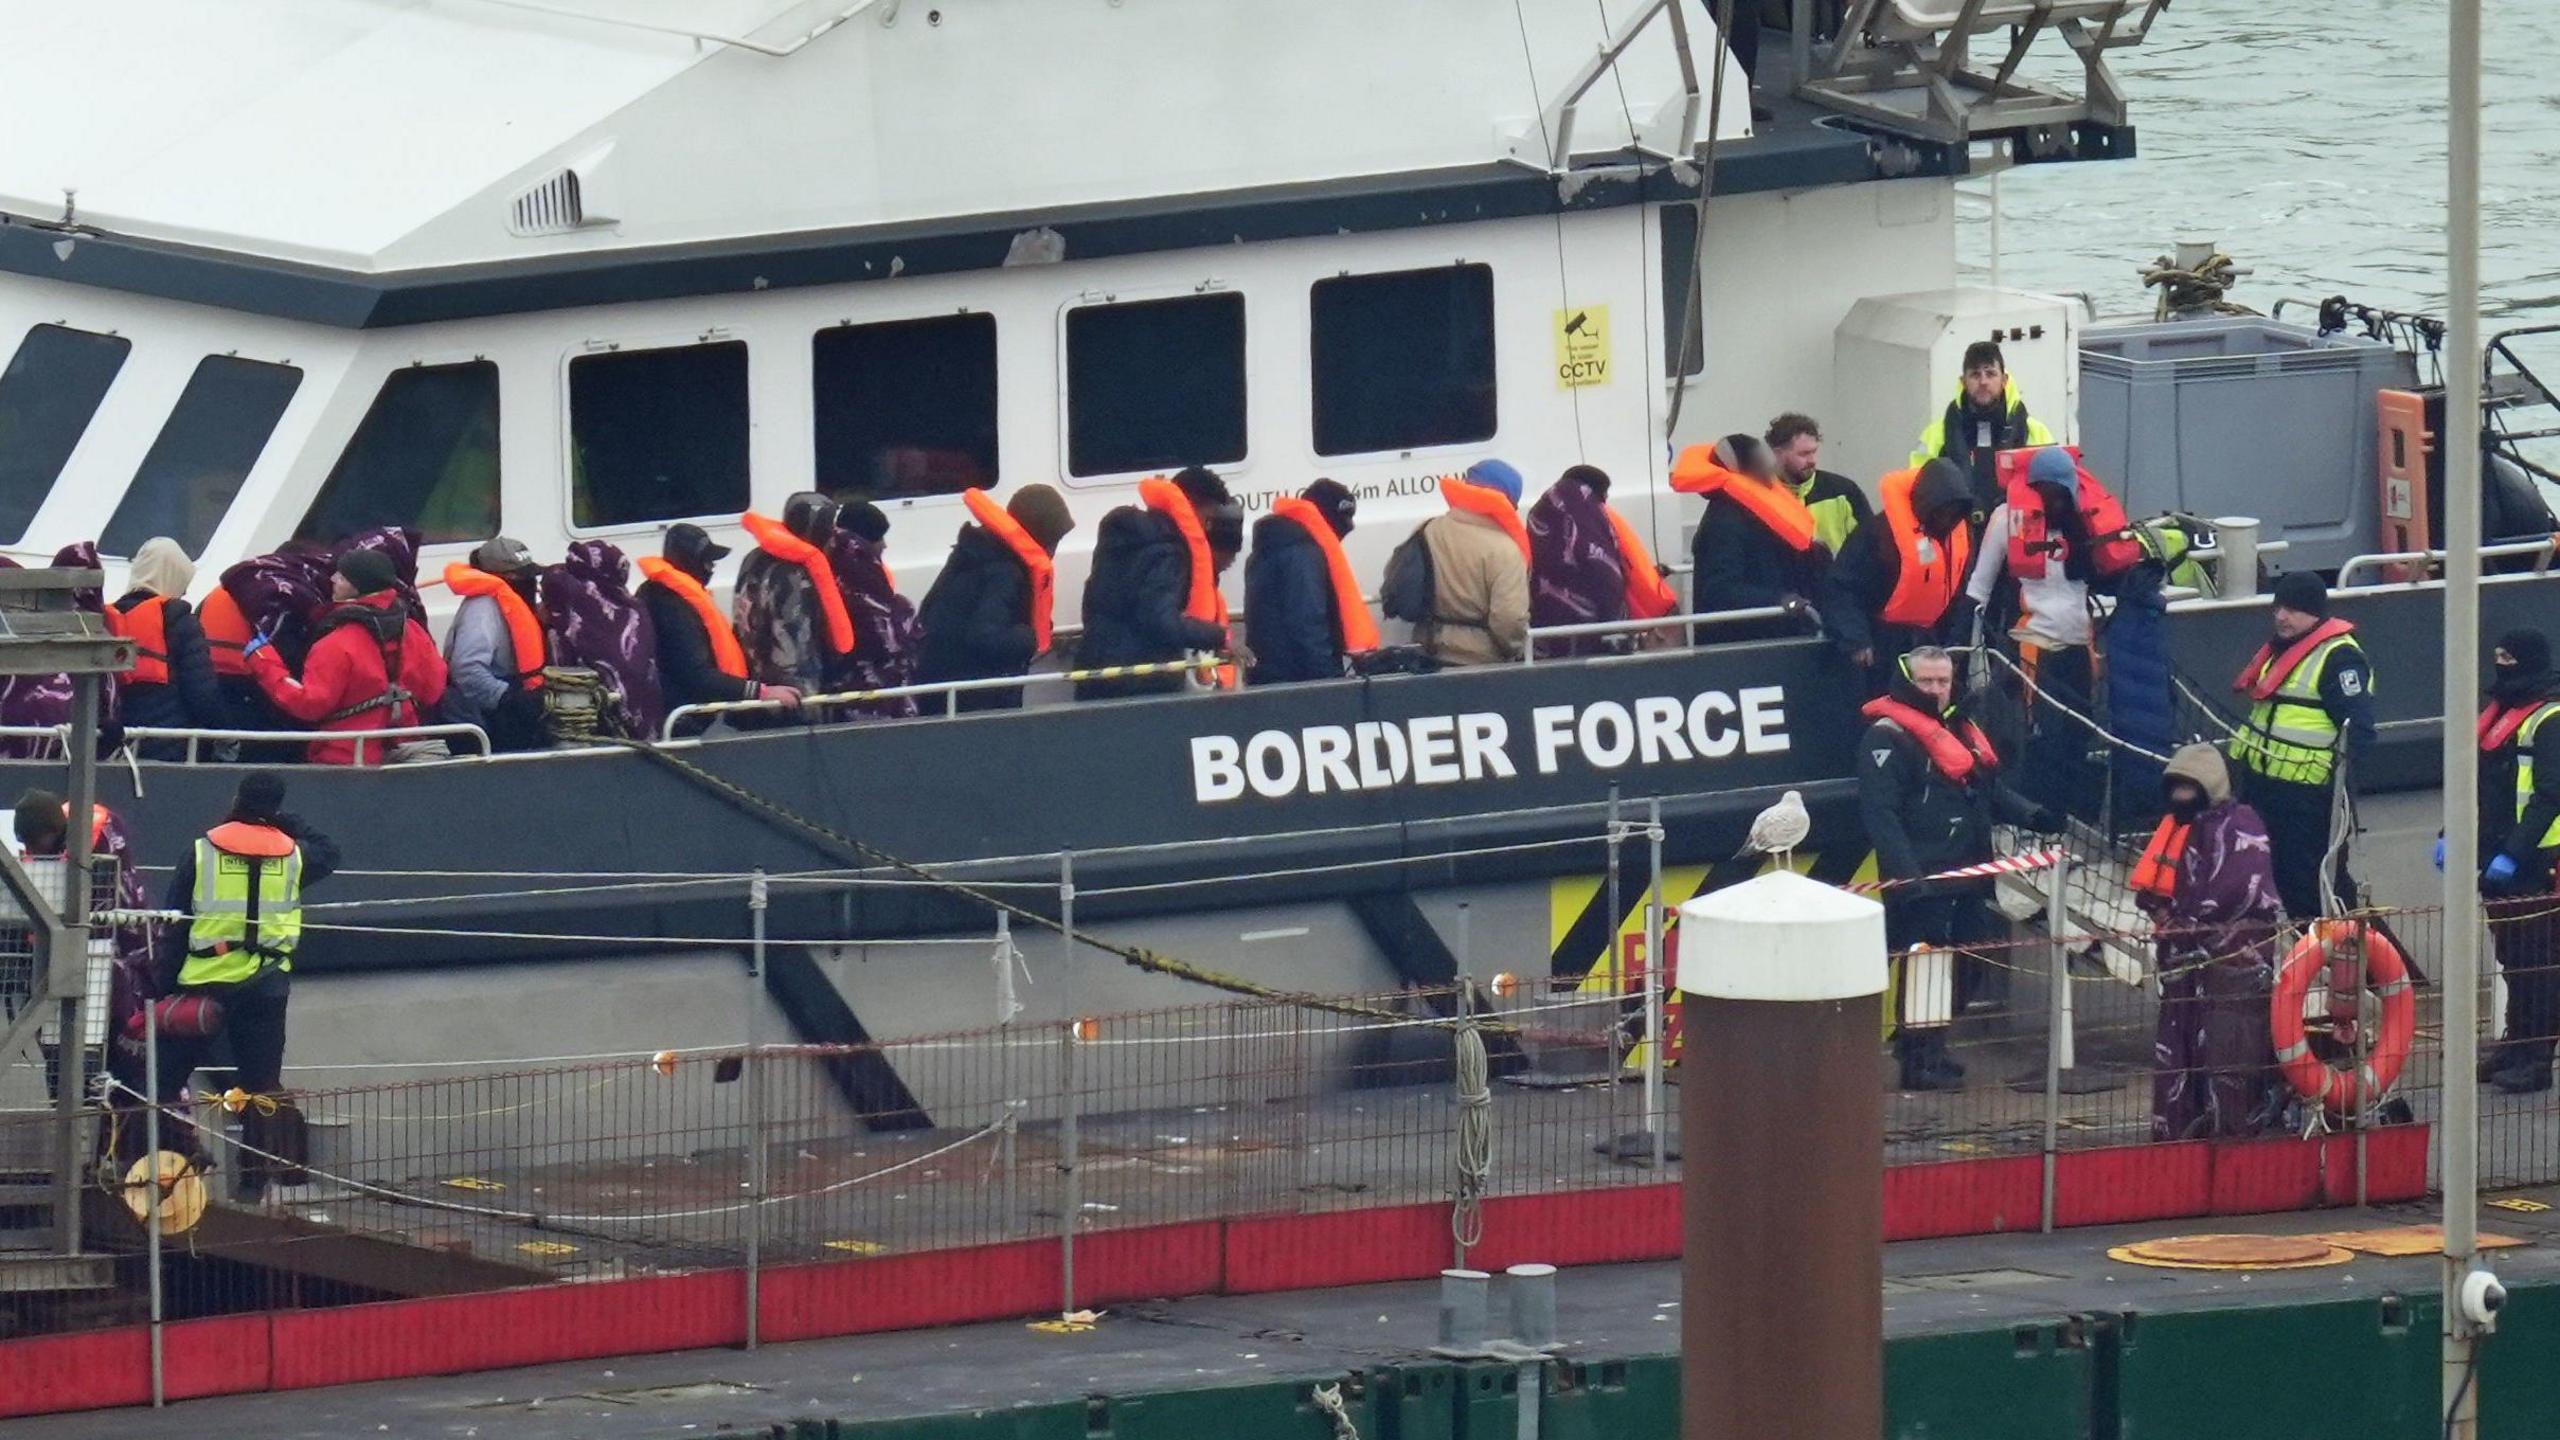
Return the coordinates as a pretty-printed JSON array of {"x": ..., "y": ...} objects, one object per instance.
[{"x": 347, "y": 680}]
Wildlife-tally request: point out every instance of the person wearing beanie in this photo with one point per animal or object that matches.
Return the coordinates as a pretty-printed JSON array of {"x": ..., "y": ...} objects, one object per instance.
[
  {"x": 990, "y": 612},
  {"x": 2309, "y": 690},
  {"x": 1758, "y": 545},
  {"x": 374, "y": 667},
  {"x": 172, "y": 683},
  {"x": 1152, "y": 594},
  {"x": 700, "y": 661},
  {"x": 1899, "y": 581},
  {"x": 1480, "y": 553},
  {"x": 884, "y": 622},
  {"x": 240, "y": 885},
  {"x": 498, "y": 646},
  {"x": 1303, "y": 609},
  {"x": 1986, "y": 417},
  {"x": 2031, "y": 577},
  {"x": 2519, "y": 844}
]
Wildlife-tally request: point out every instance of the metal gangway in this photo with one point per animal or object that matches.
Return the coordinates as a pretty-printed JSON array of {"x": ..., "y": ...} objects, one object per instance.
[{"x": 1909, "y": 66}]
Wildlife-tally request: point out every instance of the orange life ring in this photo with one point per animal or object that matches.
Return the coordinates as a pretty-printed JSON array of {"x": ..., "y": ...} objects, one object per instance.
[{"x": 2387, "y": 973}]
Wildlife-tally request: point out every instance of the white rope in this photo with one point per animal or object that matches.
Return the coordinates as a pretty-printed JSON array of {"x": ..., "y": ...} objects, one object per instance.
[
  {"x": 1434, "y": 858},
  {"x": 2043, "y": 695},
  {"x": 1328, "y": 1399},
  {"x": 1472, "y": 1142},
  {"x": 1350, "y": 1026}
]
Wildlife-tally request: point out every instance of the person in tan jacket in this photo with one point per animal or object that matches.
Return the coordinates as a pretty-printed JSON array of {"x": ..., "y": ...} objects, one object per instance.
[{"x": 1479, "y": 570}]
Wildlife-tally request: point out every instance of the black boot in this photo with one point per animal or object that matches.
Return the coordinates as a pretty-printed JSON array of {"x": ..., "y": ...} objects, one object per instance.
[{"x": 1925, "y": 1065}]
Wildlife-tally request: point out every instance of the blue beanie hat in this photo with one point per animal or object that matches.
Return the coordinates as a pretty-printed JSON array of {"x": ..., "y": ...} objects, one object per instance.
[
  {"x": 2053, "y": 465},
  {"x": 1497, "y": 475}
]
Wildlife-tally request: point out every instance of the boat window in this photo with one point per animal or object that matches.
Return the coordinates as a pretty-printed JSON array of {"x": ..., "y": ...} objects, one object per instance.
[
  {"x": 426, "y": 456},
  {"x": 1679, "y": 260},
  {"x": 47, "y": 395},
  {"x": 188, "y": 478},
  {"x": 1155, "y": 384},
  {"x": 658, "y": 434},
  {"x": 906, "y": 407},
  {"x": 1402, "y": 361}
]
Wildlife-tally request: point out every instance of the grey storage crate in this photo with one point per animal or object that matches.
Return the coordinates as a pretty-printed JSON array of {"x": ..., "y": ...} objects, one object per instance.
[{"x": 2242, "y": 416}]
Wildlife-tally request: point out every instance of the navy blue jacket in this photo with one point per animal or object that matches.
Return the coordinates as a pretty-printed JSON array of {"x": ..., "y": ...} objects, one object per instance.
[{"x": 1289, "y": 607}]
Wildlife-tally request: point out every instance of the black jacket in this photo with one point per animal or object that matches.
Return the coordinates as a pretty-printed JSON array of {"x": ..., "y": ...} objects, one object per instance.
[
  {"x": 1133, "y": 604},
  {"x": 2501, "y": 830},
  {"x": 687, "y": 675},
  {"x": 1919, "y": 821},
  {"x": 193, "y": 696},
  {"x": 1290, "y": 621},
  {"x": 320, "y": 860},
  {"x": 1862, "y": 579},
  {"x": 977, "y": 620},
  {"x": 1743, "y": 565}
]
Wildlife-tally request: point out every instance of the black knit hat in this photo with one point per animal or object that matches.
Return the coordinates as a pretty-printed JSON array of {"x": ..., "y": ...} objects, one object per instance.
[
  {"x": 368, "y": 571},
  {"x": 1335, "y": 502},
  {"x": 260, "y": 796},
  {"x": 2530, "y": 647},
  {"x": 2303, "y": 591},
  {"x": 864, "y": 519}
]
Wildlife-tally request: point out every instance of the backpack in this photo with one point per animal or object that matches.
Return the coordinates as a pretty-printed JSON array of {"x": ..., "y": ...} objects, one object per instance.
[
  {"x": 1409, "y": 586},
  {"x": 2173, "y": 540}
]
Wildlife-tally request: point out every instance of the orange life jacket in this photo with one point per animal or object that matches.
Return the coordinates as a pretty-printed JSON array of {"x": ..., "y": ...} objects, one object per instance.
[
  {"x": 1957, "y": 752},
  {"x": 1649, "y": 595},
  {"x": 239, "y": 837},
  {"x": 2261, "y": 679},
  {"x": 1204, "y": 602},
  {"x": 2156, "y": 873},
  {"x": 1490, "y": 503},
  {"x": 2112, "y": 547},
  {"x": 2498, "y": 726},
  {"x": 524, "y": 628},
  {"x": 1353, "y": 628},
  {"x": 147, "y": 626},
  {"x": 1932, "y": 569},
  {"x": 790, "y": 549},
  {"x": 1038, "y": 563},
  {"x": 226, "y": 631},
  {"x": 725, "y": 654},
  {"x": 1778, "y": 508}
]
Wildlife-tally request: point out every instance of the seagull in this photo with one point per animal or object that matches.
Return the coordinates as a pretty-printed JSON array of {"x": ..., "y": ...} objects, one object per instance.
[{"x": 1779, "y": 830}]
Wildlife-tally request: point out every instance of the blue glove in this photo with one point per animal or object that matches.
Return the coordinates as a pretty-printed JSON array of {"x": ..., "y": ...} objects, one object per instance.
[
  {"x": 2501, "y": 873},
  {"x": 257, "y": 643},
  {"x": 2439, "y": 854}
]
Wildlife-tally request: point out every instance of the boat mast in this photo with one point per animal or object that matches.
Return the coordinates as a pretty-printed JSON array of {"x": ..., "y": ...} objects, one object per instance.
[{"x": 2462, "y": 924}]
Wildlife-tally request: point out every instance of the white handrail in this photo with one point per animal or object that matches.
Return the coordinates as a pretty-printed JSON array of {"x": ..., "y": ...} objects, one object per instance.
[
  {"x": 950, "y": 691},
  {"x": 1663, "y": 622},
  {"x": 2547, "y": 547},
  {"x": 194, "y": 735}
]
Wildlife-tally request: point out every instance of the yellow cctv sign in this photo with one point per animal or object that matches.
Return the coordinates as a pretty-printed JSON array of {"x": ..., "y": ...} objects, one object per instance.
[{"x": 1582, "y": 346}]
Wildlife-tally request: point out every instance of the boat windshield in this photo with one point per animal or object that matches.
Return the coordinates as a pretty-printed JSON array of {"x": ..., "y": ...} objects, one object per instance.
[
  {"x": 52, "y": 387},
  {"x": 202, "y": 455}
]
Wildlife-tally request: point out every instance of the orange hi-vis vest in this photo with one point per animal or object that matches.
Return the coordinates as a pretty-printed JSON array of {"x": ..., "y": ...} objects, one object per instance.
[
  {"x": 147, "y": 626},
  {"x": 1490, "y": 503},
  {"x": 1038, "y": 563},
  {"x": 726, "y": 657},
  {"x": 2156, "y": 873},
  {"x": 1777, "y": 506},
  {"x": 1932, "y": 569},
  {"x": 524, "y": 628},
  {"x": 790, "y": 549},
  {"x": 1204, "y": 602},
  {"x": 1649, "y": 595},
  {"x": 226, "y": 632},
  {"x": 1957, "y": 752}
]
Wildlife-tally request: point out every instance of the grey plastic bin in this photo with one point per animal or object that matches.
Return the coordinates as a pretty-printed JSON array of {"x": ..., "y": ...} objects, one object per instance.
[{"x": 2242, "y": 416}]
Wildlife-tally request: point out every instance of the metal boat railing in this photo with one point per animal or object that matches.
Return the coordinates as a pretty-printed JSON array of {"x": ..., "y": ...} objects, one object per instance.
[
  {"x": 1691, "y": 624},
  {"x": 194, "y": 738},
  {"x": 2545, "y": 550},
  {"x": 948, "y": 691}
]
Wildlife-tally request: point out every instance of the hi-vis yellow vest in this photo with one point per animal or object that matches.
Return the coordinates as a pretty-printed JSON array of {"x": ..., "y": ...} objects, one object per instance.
[
  {"x": 2524, "y": 771},
  {"x": 2289, "y": 735},
  {"x": 247, "y": 905}
]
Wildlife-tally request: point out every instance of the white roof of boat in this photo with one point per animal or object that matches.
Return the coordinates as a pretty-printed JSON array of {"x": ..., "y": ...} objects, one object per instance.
[{"x": 379, "y": 135}]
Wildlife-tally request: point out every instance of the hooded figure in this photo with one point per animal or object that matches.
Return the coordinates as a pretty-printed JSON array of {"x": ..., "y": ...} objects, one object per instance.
[
  {"x": 992, "y": 610},
  {"x": 790, "y": 611},
  {"x": 1152, "y": 595},
  {"x": 2213, "y": 1064},
  {"x": 886, "y": 641},
  {"x": 172, "y": 683},
  {"x": 587, "y": 605},
  {"x": 1576, "y": 574},
  {"x": 1297, "y": 615},
  {"x": 2519, "y": 733},
  {"x": 45, "y": 700},
  {"x": 373, "y": 667},
  {"x": 1919, "y": 531}
]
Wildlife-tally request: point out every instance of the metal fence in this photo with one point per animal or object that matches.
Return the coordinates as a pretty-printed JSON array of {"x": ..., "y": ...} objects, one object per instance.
[{"x": 764, "y": 1154}]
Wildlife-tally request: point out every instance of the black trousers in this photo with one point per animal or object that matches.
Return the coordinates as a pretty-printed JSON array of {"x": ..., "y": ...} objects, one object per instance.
[
  {"x": 2526, "y": 930},
  {"x": 2297, "y": 819},
  {"x": 2057, "y": 769},
  {"x": 252, "y": 1035}
]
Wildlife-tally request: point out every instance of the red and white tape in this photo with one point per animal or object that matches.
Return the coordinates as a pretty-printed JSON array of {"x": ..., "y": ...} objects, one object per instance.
[{"x": 2005, "y": 865}]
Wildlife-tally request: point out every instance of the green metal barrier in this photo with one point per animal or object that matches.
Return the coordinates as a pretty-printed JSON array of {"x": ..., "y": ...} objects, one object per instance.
[{"x": 2031, "y": 1382}]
